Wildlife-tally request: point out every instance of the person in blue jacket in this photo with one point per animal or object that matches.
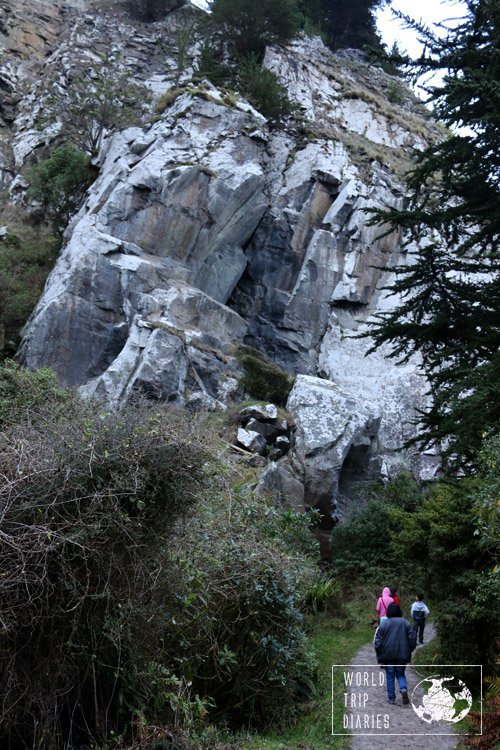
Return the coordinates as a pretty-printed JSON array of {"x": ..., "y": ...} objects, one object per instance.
[{"x": 394, "y": 641}]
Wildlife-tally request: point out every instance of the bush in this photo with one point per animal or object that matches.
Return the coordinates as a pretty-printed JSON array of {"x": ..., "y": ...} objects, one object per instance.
[
  {"x": 87, "y": 503},
  {"x": 239, "y": 634},
  {"x": 60, "y": 182},
  {"x": 138, "y": 589},
  {"x": 250, "y": 28},
  {"x": 361, "y": 543},
  {"x": 262, "y": 88},
  {"x": 262, "y": 379},
  {"x": 23, "y": 393},
  {"x": 210, "y": 66},
  {"x": 453, "y": 539},
  {"x": 25, "y": 262}
]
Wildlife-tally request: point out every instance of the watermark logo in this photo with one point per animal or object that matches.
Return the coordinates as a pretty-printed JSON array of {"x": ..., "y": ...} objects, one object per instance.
[
  {"x": 449, "y": 702},
  {"x": 371, "y": 700}
]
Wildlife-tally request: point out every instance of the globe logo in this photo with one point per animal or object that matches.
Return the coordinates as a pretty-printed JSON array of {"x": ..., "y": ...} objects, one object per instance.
[{"x": 448, "y": 703}]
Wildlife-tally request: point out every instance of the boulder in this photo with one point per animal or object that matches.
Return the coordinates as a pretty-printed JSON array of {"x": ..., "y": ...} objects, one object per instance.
[
  {"x": 267, "y": 413},
  {"x": 279, "y": 482},
  {"x": 251, "y": 440}
]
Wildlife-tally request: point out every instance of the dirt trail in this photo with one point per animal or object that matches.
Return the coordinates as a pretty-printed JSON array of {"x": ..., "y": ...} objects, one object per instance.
[{"x": 402, "y": 719}]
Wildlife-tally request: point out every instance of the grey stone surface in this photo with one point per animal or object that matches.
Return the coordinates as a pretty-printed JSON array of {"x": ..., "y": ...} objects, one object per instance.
[
  {"x": 206, "y": 229},
  {"x": 251, "y": 440},
  {"x": 266, "y": 413},
  {"x": 279, "y": 483}
]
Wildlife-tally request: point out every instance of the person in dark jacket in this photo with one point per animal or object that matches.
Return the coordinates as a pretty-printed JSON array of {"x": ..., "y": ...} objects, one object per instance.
[{"x": 394, "y": 641}]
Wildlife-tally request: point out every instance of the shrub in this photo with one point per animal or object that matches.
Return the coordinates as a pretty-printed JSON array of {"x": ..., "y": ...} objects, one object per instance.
[
  {"x": 395, "y": 92},
  {"x": 361, "y": 543},
  {"x": 239, "y": 634},
  {"x": 210, "y": 66},
  {"x": 453, "y": 538},
  {"x": 137, "y": 590},
  {"x": 87, "y": 502},
  {"x": 262, "y": 379},
  {"x": 25, "y": 262},
  {"x": 262, "y": 88},
  {"x": 249, "y": 28},
  {"x": 23, "y": 393},
  {"x": 60, "y": 182}
]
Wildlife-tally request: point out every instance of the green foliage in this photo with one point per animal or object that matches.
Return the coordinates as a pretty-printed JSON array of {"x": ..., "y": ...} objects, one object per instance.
[
  {"x": 24, "y": 393},
  {"x": 237, "y": 628},
  {"x": 262, "y": 88},
  {"x": 445, "y": 544},
  {"x": 210, "y": 65},
  {"x": 450, "y": 289},
  {"x": 454, "y": 543},
  {"x": 87, "y": 501},
  {"x": 345, "y": 23},
  {"x": 361, "y": 544},
  {"x": 184, "y": 39},
  {"x": 395, "y": 92},
  {"x": 25, "y": 261},
  {"x": 98, "y": 100},
  {"x": 392, "y": 62},
  {"x": 262, "y": 379},
  {"x": 139, "y": 592},
  {"x": 60, "y": 182},
  {"x": 320, "y": 593},
  {"x": 249, "y": 28}
]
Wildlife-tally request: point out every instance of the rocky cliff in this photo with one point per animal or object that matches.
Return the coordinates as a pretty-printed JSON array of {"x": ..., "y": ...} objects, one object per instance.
[{"x": 210, "y": 227}]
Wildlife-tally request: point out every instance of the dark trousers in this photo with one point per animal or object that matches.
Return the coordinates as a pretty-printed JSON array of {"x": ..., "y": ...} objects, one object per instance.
[
  {"x": 399, "y": 674},
  {"x": 419, "y": 630}
]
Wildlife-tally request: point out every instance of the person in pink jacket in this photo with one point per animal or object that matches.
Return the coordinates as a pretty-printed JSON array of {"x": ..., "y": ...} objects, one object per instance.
[{"x": 383, "y": 603}]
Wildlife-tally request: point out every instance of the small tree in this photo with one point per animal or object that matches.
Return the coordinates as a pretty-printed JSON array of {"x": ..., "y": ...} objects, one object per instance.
[
  {"x": 345, "y": 23},
  {"x": 60, "y": 182},
  {"x": 262, "y": 88},
  {"x": 450, "y": 291},
  {"x": 99, "y": 99},
  {"x": 249, "y": 28}
]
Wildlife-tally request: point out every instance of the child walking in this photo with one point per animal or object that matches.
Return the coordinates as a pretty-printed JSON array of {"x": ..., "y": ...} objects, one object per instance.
[
  {"x": 394, "y": 641},
  {"x": 419, "y": 611}
]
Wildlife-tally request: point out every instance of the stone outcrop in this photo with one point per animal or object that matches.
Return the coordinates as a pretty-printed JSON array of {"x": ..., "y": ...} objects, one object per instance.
[{"x": 208, "y": 227}]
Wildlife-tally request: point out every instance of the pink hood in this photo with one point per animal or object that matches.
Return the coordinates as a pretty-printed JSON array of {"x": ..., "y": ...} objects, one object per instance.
[{"x": 384, "y": 602}]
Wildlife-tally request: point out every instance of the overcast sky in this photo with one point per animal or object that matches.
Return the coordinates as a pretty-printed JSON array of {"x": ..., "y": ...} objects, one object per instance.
[{"x": 428, "y": 11}]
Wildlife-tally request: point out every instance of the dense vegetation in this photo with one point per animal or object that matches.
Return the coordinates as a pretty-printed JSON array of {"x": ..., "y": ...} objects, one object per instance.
[
  {"x": 345, "y": 23},
  {"x": 443, "y": 542},
  {"x": 153, "y": 589}
]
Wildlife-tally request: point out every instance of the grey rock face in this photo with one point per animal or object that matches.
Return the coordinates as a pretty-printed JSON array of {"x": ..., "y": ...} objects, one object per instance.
[
  {"x": 152, "y": 244},
  {"x": 207, "y": 229}
]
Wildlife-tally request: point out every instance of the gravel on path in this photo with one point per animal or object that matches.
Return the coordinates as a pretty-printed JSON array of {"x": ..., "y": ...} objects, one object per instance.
[{"x": 370, "y": 701}]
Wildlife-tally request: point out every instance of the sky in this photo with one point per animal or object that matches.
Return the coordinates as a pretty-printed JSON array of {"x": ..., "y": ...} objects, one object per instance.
[{"x": 428, "y": 11}]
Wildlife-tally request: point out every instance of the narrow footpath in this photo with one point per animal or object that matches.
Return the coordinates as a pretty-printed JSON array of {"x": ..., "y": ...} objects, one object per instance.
[{"x": 370, "y": 702}]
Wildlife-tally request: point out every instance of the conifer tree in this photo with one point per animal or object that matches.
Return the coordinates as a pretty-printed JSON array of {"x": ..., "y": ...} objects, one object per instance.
[
  {"x": 345, "y": 23},
  {"x": 450, "y": 310}
]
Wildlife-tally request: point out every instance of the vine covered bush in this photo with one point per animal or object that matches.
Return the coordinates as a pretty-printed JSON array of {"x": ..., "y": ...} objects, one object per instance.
[
  {"x": 87, "y": 501},
  {"x": 139, "y": 587}
]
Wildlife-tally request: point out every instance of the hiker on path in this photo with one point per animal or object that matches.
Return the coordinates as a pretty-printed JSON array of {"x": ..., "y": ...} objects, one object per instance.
[
  {"x": 395, "y": 598},
  {"x": 383, "y": 603},
  {"x": 394, "y": 641},
  {"x": 419, "y": 611}
]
